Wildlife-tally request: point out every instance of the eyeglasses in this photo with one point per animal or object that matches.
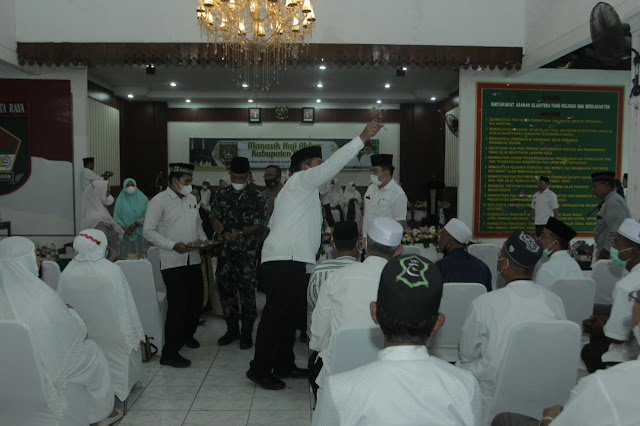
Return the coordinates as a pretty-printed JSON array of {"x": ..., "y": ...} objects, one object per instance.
[{"x": 631, "y": 296}]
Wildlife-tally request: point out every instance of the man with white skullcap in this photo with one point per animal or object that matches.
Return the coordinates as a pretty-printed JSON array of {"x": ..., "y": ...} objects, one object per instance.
[
  {"x": 612, "y": 343},
  {"x": 344, "y": 298},
  {"x": 491, "y": 316},
  {"x": 457, "y": 265}
]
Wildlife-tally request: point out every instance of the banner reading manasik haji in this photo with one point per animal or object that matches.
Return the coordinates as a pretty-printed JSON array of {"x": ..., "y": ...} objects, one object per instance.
[{"x": 216, "y": 154}]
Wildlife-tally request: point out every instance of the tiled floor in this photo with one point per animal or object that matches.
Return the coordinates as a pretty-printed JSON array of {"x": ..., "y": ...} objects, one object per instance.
[{"x": 215, "y": 390}]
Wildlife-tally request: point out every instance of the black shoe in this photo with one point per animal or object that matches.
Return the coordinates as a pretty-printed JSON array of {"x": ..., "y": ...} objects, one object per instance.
[
  {"x": 303, "y": 337},
  {"x": 192, "y": 343},
  {"x": 229, "y": 337},
  {"x": 294, "y": 373},
  {"x": 175, "y": 361},
  {"x": 246, "y": 342},
  {"x": 269, "y": 382}
]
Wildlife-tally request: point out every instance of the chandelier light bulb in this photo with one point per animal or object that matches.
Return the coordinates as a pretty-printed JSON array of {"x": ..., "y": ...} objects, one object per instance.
[
  {"x": 318, "y": 101},
  {"x": 188, "y": 101},
  {"x": 130, "y": 96},
  {"x": 173, "y": 84},
  {"x": 387, "y": 86},
  {"x": 320, "y": 85}
]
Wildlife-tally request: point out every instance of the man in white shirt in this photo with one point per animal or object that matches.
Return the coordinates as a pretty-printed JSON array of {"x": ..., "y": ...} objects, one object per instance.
[
  {"x": 483, "y": 339},
  {"x": 344, "y": 298},
  {"x": 87, "y": 175},
  {"x": 543, "y": 206},
  {"x": 344, "y": 240},
  {"x": 205, "y": 195},
  {"x": 384, "y": 197},
  {"x": 612, "y": 343},
  {"x": 606, "y": 397},
  {"x": 293, "y": 241},
  {"x": 554, "y": 240},
  {"x": 172, "y": 222},
  {"x": 405, "y": 385}
]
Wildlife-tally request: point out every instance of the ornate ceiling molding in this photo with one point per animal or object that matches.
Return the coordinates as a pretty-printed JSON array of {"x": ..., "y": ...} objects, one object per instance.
[{"x": 341, "y": 55}]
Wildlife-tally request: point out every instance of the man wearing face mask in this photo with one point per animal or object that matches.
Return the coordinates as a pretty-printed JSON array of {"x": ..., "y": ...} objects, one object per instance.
[
  {"x": 612, "y": 212},
  {"x": 457, "y": 265},
  {"x": 611, "y": 343},
  {"x": 554, "y": 239},
  {"x": 205, "y": 195},
  {"x": 237, "y": 213},
  {"x": 293, "y": 241},
  {"x": 483, "y": 339},
  {"x": 171, "y": 223},
  {"x": 384, "y": 197}
]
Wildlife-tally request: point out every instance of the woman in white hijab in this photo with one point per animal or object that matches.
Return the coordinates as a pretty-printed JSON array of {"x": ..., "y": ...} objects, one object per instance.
[
  {"x": 352, "y": 203},
  {"x": 95, "y": 200},
  {"x": 89, "y": 264},
  {"x": 336, "y": 201},
  {"x": 66, "y": 355}
]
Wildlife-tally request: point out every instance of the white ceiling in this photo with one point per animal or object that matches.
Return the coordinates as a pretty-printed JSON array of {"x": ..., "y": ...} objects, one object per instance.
[{"x": 215, "y": 86}]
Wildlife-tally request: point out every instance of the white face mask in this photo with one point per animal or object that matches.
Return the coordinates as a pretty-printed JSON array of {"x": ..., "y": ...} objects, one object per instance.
[
  {"x": 108, "y": 201},
  {"x": 636, "y": 332},
  {"x": 239, "y": 186},
  {"x": 185, "y": 189},
  {"x": 374, "y": 180},
  {"x": 131, "y": 190}
]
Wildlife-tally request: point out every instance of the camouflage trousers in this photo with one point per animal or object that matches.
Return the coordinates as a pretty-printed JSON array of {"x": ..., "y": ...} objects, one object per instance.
[{"x": 236, "y": 277}]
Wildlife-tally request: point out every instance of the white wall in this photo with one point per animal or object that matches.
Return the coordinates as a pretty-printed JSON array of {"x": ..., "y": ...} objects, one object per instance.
[
  {"x": 8, "y": 31},
  {"x": 422, "y": 22},
  {"x": 180, "y": 132},
  {"x": 468, "y": 80},
  {"x": 78, "y": 79},
  {"x": 555, "y": 28}
]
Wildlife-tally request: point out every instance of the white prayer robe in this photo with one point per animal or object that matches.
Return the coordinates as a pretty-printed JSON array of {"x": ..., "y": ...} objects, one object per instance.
[
  {"x": 619, "y": 324},
  {"x": 344, "y": 300},
  {"x": 58, "y": 333},
  {"x": 560, "y": 265},
  {"x": 86, "y": 177},
  {"x": 483, "y": 339},
  {"x": 606, "y": 397},
  {"x": 89, "y": 265},
  {"x": 405, "y": 386}
]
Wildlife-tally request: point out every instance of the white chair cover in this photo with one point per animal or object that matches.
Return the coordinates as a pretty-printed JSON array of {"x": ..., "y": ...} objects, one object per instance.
[
  {"x": 488, "y": 253},
  {"x": 23, "y": 399},
  {"x": 606, "y": 274},
  {"x": 50, "y": 272},
  {"x": 153, "y": 256},
  {"x": 152, "y": 306},
  {"x": 96, "y": 304},
  {"x": 577, "y": 296},
  {"x": 456, "y": 299},
  {"x": 354, "y": 347},
  {"x": 539, "y": 369}
]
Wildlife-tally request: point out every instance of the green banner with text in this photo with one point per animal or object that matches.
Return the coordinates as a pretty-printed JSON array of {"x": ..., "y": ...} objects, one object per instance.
[{"x": 525, "y": 131}]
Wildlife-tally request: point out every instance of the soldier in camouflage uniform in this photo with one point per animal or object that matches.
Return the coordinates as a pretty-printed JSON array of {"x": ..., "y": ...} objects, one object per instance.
[{"x": 238, "y": 213}]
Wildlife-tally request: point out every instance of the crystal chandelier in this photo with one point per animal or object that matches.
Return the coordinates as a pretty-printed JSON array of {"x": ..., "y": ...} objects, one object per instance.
[{"x": 258, "y": 36}]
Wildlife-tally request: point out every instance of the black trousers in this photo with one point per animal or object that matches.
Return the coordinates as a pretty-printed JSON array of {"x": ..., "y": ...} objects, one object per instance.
[
  {"x": 283, "y": 313},
  {"x": 184, "y": 298}
]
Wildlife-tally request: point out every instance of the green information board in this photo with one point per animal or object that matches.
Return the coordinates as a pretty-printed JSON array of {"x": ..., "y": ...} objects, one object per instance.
[{"x": 564, "y": 132}]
